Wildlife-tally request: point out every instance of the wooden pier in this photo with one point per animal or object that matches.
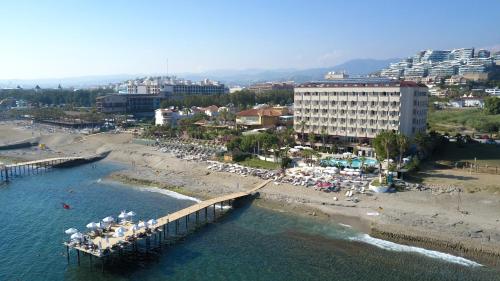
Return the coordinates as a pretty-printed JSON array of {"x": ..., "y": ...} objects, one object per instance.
[
  {"x": 9, "y": 171},
  {"x": 160, "y": 230}
]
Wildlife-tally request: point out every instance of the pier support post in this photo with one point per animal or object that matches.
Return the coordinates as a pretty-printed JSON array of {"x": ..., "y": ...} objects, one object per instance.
[
  {"x": 78, "y": 255},
  {"x": 214, "y": 212},
  {"x": 186, "y": 219},
  {"x": 197, "y": 217},
  {"x": 168, "y": 222},
  {"x": 163, "y": 232},
  {"x": 67, "y": 253},
  {"x": 206, "y": 214}
]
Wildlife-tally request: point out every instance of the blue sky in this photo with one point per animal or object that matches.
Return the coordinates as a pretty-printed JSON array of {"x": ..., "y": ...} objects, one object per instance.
[{"x": 49, "y": 39}]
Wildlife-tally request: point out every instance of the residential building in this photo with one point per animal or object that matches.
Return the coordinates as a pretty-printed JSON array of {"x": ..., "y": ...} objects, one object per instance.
[
  {"x": 332, "y": 75},
  {"x": 435, "y": 55},
  {"x": 235, "y": 89},
  {"x": 166, "y": 116},
  {"x": 195, "y": 89},
  {"x": 443, "y": 70},
  {"x": 256, "y": 118},
  {"x": 271, "y": 86},
  {"x": 455, "y": 80},
  {"x": 356, "y": 110},
  {"x": 141, "y": 104},
  {"x": 482, "y": 53},
  {"x": 493, "y": 91},
  {"x": 461, "y": 54},
  {"x": 442, "y": 64},
  {"x": 111, "y": 104},
  {"x": 467, "y": 101},
  {"x": 170, "y": 85}
]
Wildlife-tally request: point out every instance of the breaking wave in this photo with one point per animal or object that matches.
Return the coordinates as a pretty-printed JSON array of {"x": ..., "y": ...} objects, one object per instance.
[{"x": 391, "y": 246}]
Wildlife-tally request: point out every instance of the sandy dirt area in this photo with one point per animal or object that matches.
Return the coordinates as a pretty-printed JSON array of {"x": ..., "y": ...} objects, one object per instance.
[{"x": 466, "y": 223}]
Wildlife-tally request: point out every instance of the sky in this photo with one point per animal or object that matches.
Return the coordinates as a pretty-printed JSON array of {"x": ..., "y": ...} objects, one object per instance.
[{"x": 55, "y": 39}]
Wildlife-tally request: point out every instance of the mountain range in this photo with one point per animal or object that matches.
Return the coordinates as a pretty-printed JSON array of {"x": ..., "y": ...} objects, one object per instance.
[{"x": 355, "y": 67}]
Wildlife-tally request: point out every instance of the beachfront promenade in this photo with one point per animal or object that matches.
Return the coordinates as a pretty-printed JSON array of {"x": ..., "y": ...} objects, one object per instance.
[{"x": 130, "y": 235}]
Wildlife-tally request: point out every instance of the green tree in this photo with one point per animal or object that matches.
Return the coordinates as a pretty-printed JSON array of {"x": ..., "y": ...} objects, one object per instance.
[
  {"x": 311, "y": 137},
  {"x": 323, "y": 137},
  {"x": 302, "y": 128},
  {"x": 385, "y": 144},
  {"x": 492, "y": 105},
  {"x": 402, "y": 144}
]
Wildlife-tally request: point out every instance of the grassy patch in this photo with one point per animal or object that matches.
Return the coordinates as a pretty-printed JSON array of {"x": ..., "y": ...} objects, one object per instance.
[
  {"x": 486, "y": 154},
  {"x": 459, "y": 120},
  {"x": 261, "y": 164}
]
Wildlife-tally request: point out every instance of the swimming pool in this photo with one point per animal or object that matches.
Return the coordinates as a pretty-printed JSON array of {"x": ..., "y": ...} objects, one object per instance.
[{"x": 356, "y": 163}]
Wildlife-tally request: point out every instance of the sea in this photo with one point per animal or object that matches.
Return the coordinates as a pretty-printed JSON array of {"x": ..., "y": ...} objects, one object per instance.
[{"x": 247, "y": 243}]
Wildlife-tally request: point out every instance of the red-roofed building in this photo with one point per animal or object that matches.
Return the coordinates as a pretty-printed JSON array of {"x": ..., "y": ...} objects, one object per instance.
[{"x": 261, "y": 118}]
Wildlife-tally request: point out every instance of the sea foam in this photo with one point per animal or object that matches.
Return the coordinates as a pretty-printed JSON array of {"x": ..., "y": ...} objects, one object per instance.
[
  {"x": 170, "y": 193},
  {"x": 391, "y": 246}
]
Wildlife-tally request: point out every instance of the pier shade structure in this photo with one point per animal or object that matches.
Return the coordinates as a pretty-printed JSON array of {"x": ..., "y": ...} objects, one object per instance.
[{"x": 103, "y": 245}]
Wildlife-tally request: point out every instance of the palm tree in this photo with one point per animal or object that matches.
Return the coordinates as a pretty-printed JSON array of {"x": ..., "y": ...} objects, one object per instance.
[
  {"x": 312, "y": 139},
  {"x": 302, "y": 128},
  {"x": 323, "y": 136},
  {"x": 362, "y": 161},
  {"x": 383, "y": 144},
  {"x": 402, "y": 142},
  {"x": 349, "y": 161}
]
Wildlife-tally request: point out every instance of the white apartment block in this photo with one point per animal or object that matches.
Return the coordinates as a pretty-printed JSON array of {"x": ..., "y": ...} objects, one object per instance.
[{"x": 353, "y": 110}]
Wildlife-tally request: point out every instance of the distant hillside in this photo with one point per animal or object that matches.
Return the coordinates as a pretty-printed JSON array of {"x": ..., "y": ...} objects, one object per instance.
[
  {"x": 230, "y": 77},
  {"x": 244, "y": 77}
]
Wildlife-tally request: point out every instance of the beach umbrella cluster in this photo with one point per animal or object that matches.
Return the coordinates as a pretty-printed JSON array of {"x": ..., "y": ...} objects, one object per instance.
[
  {"x": 242, "y": 170},
  {"x": 191, "y": 151}
]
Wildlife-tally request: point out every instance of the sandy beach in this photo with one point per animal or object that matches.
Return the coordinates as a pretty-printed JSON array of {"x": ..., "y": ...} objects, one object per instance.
[{"x": 466, "y": 224}]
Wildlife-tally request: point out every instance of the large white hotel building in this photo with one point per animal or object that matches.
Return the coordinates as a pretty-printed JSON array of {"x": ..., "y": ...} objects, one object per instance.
[{"x": 353, "y": 111}]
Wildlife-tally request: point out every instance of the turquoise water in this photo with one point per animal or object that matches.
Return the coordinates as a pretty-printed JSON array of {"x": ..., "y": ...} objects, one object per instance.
[
  {"x": 249, "y": 243},
  {"x": 356, "y": 163}
]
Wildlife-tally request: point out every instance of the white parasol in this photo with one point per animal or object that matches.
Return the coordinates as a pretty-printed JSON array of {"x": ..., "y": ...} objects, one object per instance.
[
  {"x": 93, "y": 225},
  {"x": 71, "y": 231},
  {"x": 108, "y": 219},
  {"x": 77, "y": 236}
]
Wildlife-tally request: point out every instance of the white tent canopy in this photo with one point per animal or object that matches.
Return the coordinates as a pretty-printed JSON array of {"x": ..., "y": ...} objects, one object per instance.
[
  {"x": 77, "y": 236},
  {"x": 71, "y": 231},
  {"x": 123, "y": 215},
  {"x": 120, "y": 229},
  {"x": 108, "y": 219},
  {"x": 93, "y": 225},
  {"x": 142, "y": 224}
]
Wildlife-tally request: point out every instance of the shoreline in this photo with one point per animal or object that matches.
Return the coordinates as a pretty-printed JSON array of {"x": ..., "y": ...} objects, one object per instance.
[
  {"x": 420, "y": 218},
  {"x": 414, "y": 243}
]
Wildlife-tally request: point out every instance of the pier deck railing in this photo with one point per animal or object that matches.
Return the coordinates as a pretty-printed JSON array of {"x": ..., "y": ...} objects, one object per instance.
[{"x": 114, "y": 242}]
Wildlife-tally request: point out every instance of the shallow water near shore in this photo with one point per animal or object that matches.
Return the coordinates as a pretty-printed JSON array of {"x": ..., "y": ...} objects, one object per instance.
[{"x": 248, "y": 243}]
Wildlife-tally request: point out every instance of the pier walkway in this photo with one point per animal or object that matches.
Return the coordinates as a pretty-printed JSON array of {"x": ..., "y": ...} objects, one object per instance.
[
  {"x": 36, "y": 166},
  {"x": 130, "y": 236}
]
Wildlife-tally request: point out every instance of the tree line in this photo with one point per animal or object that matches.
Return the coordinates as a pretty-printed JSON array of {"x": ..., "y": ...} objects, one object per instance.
[
  {"x": 242, "y": 99},
  {"x": 77, "y": 98}
]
